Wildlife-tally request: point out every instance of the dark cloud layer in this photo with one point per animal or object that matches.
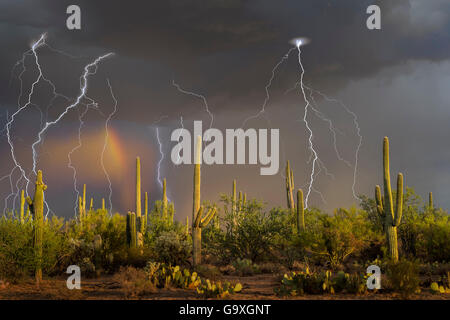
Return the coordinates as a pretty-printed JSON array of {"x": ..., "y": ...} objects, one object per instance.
[{"x": 225, "y": 50}]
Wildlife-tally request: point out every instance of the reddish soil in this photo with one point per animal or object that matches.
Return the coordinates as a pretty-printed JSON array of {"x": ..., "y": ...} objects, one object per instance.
[{"x": 258, "y": 287}]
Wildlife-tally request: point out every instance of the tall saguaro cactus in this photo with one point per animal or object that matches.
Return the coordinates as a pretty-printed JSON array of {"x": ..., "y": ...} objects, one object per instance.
[
  {"x": 430, "y": 200},
  {"x": 84, "y": 199},
  {"x": 144, "y": 218},
  {"x": 164, "y": 201},
  {"x": 386, "y": 208},
  {"x": 139, "y": 219},
  {"x": 233, "y": 198},
  {"x": 198, "y": 220},
  {"x": 37, "y": 209},
  {"x": 138, "y": 187},
  {"x": 300, "y": 212},
  {"x": 131, "y": 230},
  {"x": 22, "y": 206},
  {"x": 290, "y": 187},
  {"x": 80, "y": 210}
]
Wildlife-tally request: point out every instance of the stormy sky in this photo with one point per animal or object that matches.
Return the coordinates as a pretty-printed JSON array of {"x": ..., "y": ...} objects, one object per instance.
[{"x": 395, "y": 80}]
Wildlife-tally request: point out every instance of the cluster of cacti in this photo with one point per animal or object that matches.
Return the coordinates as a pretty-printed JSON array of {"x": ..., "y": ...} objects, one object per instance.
[
  {"x": 385, "y": 207},
  {"x": 162, "y": 275},
  {"x": 298, "y": 210},
  {"x": 136, "y": 225},
  {"x": 37, "y": 209},
  {"x": 198, "y": 220},
  {"x": 209, "y": 289}
]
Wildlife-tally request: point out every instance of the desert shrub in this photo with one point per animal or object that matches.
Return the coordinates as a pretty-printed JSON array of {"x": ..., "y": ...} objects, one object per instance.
[
  {"x": 171, "y": 248},
  {"x": 134, "y": 282},
  {"x": 100, "y": 242},
  {"x": 157, "y": 224},
  {"x": 208, "y": 271},
  {"x": 299, "y": 283},
  {"x": 245, "y": 267},
  {"x": 434, "y": 242},
  {"x": 17, "y": 257},
  {"x": 350, "y": 283},
  {"x": 16, "y": 249},
  {"x": 345, "y": 233},
  {"x": 250, "y": 233},
  {"x": 403, "y": 277}
]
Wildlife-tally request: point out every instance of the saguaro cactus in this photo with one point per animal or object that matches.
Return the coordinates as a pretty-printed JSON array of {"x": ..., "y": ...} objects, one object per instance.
[
  {"x": 138, "y": 187},
  {"x": 300, "y": 212},
  {"x": 80, "y": 210},
  {"x": 186, "y": 231},
  {"x": 233, "y": 198},
  {"x": 37, "y": 209},
  {"x": 385, "y": 208},
  {"x": 131, "y": 230},
  {"x": 91, "y": 205},
  {"x": 139, "y": 219},
  {"x": 430, "y": 200},
  {"x": 164, "y": 201},
  {"x": 198, "y": 220},
  {"x": 103, "y": 203},
  {"x": 290, "y": 187},
  {"x": 145, "y": 218},
  {"x": 22, "y": 206},
  {"x": 241, "y": 199},
  {"x": 84, "y": 199}
]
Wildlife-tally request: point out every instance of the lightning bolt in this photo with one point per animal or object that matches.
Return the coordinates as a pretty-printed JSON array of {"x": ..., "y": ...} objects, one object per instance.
[
  {"x": 106, "y": 143},
  {"x": 10, "y": 122},
  {"x": 89, "y": 70},
  {"x": 69, "y": 156},
  {"x": 358, "y": 132},
  {"x": 267, "y": 87},
  {"x": 315, "y": 156},
  {"x": 202, "y": 97}
]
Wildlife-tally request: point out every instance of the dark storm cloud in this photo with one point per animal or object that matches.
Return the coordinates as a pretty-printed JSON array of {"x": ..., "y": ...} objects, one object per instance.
[
  {"x": 226, "y": 50},
  {"x": 222, "y": 46}
]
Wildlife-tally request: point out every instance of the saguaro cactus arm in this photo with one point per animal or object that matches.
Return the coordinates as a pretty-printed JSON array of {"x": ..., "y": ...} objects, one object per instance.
[
  {"x": 389, "y": 208},
  {"x": 399, "y": 204},
  {"x": 208, "y": 217},
  {"x": 138, "y": 187},
  {"x": 378, "y": 200},
  {"x": 289, "y": 186}
]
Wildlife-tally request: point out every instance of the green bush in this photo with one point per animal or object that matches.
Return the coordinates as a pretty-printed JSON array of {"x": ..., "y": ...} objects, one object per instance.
[
  {"x": 336, "y": 237},
  {"x": 17, "y": 257},
  {"x": 403, "y": 277},
  {"x": 171, "y": 248},
  {"x": 250, "y": 233}
]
